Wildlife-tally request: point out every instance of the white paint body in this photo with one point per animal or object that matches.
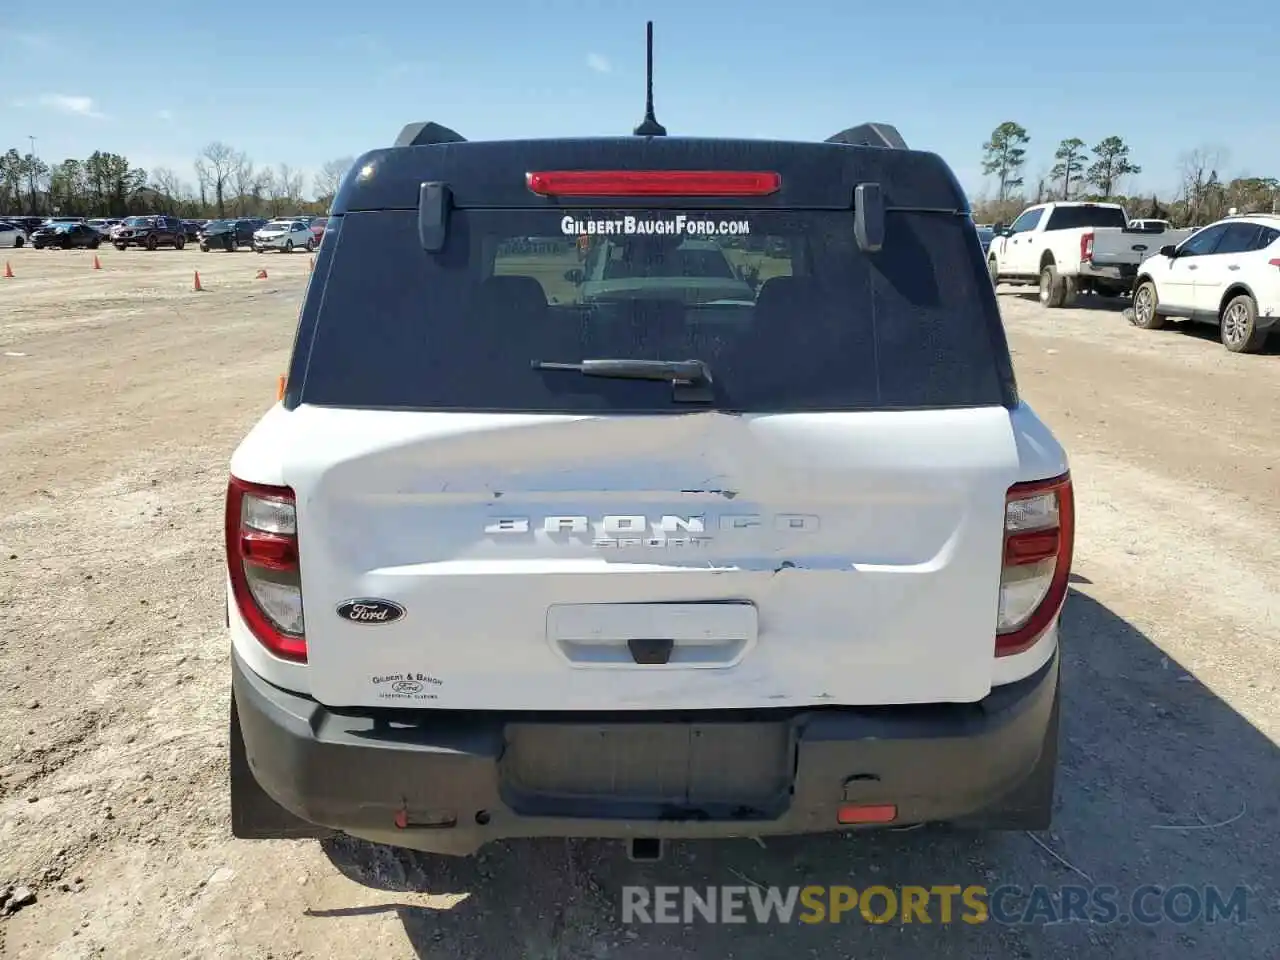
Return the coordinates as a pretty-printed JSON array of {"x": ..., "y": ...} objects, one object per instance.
[
  {"x": 1197, "y": 282},
  {"x": 278, "y": 236},
  {"x": 857, "y": 555}
]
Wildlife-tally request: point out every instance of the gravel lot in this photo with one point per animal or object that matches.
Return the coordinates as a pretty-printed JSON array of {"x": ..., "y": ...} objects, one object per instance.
[{"x": 122, "y": 394}]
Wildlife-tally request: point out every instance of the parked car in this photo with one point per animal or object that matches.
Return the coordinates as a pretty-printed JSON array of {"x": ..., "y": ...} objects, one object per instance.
[
  {"x": 65, "y": 236},
  {"x": 150, "y": 232},
  {"x": 28, "y": 225},
  {"x": 317, "y": 229},
  {"x": 1070, "y": 248},
  {"x": 789, "y": 565},
  {"x": 985, "y": 236},
  {"x": 11, "y": 235},
  {"x": 1227, "y": 274},
  {"x": 55, "y": 221},
  {"x": 227, "y": 235},
  {"x": 284, "y": 236},
  {"x": 103, "y": 225},
  {"x": 191, "y": 230}
]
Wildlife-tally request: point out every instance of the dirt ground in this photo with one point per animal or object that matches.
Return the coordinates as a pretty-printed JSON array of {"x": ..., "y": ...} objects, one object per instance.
[{"x": 122, "y": 395}]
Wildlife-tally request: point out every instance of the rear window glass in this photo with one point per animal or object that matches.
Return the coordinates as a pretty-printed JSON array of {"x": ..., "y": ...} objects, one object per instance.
[
  {"x": 785, "y": 310},
  {"x": 1071, "y": 218}
]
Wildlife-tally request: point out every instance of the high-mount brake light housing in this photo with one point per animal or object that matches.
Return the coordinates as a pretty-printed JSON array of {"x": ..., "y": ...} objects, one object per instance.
[{"x": 654, "y": 183}]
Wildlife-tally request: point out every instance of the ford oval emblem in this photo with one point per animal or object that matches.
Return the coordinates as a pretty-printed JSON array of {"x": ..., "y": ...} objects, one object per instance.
[{"x": 370, "y": 610}]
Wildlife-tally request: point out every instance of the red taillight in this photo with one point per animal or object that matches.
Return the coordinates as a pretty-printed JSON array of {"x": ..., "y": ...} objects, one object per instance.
[
  {"x": 1039, "y": 539},
  {"x": 262, "y": 560},
  {"x": 653, "y": 183},
  {"x": 1276, "y": 262},
  {"x": 1086, "y": 247}
]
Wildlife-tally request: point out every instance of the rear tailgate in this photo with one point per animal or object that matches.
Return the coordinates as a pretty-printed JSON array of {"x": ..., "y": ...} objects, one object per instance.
[
  {"x": 824, "y": 558},
  {"x": 823, "y": 526},
  {"x": 1114, "y": 247}
]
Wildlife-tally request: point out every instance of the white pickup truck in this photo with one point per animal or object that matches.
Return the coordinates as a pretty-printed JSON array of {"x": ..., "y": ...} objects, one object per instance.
[{"x": 1070, "y": 248}]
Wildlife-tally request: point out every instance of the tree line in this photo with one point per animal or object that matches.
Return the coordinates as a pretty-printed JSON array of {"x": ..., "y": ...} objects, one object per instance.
[
  {"x": 227, "y": 184},
  {"x": 1080, "y": 172}
]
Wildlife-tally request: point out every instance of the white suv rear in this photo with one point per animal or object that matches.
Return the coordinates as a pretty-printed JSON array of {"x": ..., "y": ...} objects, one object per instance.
[{"x": 524, "y": 552}]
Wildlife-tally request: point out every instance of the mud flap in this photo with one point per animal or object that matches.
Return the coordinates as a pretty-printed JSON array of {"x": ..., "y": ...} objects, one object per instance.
[
  {"x": 1029, "y": 806},
  {"x": 254, "y": 815}
]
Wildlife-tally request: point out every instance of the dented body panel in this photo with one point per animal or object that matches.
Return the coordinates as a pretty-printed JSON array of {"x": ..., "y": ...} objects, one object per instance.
[{"x": 867, "y": 555}]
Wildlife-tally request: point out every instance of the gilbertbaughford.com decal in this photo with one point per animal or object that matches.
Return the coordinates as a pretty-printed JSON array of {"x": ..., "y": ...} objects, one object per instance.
[{"x": 680, "y": 224}]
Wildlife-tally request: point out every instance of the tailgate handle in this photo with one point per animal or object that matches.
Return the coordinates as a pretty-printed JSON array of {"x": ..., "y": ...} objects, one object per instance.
[{"x": 651, "y": 650}]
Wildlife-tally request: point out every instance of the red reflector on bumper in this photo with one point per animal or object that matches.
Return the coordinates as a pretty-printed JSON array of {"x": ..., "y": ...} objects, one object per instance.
[{"x": 860, "y": 813}]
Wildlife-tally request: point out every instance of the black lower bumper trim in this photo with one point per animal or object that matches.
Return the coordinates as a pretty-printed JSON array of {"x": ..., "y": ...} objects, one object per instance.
[{"x": 446, "y": 781}]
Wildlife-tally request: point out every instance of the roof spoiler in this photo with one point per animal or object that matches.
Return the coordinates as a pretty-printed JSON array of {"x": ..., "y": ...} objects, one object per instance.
[
  {"x": 871, "y": 135},
  {"x": 424, "y": 133}
]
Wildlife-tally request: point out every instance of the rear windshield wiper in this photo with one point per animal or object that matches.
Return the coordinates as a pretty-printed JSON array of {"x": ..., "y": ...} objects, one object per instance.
[{"x": 690, "y": 378}]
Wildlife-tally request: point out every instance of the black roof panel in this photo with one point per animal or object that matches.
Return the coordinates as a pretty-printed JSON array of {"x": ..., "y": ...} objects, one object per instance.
[{"x": 492, "y": 173}]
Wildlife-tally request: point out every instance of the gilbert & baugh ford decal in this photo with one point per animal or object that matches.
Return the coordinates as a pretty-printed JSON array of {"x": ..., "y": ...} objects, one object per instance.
[{"x": 410, "y": 685}]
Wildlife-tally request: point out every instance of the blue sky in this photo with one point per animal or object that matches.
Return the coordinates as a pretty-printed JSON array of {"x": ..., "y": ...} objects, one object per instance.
[{"x": 301, "y": 83}]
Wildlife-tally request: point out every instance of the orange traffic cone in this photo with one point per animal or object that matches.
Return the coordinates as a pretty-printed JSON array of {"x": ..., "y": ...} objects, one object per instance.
[
  {"x": 280, "y": 385},
  {"x": 197, "y": 286},
  {"x": 97, "y": 265},
  {"x": 8, "y": 271},
  {"x": 262, "y": 275}
]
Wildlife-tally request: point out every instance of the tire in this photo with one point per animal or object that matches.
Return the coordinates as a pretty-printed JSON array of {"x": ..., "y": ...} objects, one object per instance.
[
  {"x": 311, "y": 245},
  {"x": 121, "y": 246},
  {"x": 1070, "y": 290},
  {"x": 179, "y": 243},
  {"x": 66, "y": 244},
  {"x": 288, "y": 246},
  {"x": 1052, "y": 290},
  {"x": 151, "y": 242},
  {"x": 95, "y": 245},
  {"x": 17, "y": 243},
  {"x": 204, "y": 247},
  {"x": 1239, "y": 326},
  {"x": 993, "y": 271},
  {"x": 1145, "y": 314}
]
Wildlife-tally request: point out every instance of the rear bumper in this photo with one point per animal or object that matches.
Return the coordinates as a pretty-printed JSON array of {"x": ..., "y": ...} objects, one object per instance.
[
  {"x": 1115, "y": 273},
  {"x": 452, "y": 782}
]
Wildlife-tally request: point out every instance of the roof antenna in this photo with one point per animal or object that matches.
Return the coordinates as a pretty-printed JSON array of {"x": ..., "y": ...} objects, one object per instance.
[{"x": 649, "y": 127}]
